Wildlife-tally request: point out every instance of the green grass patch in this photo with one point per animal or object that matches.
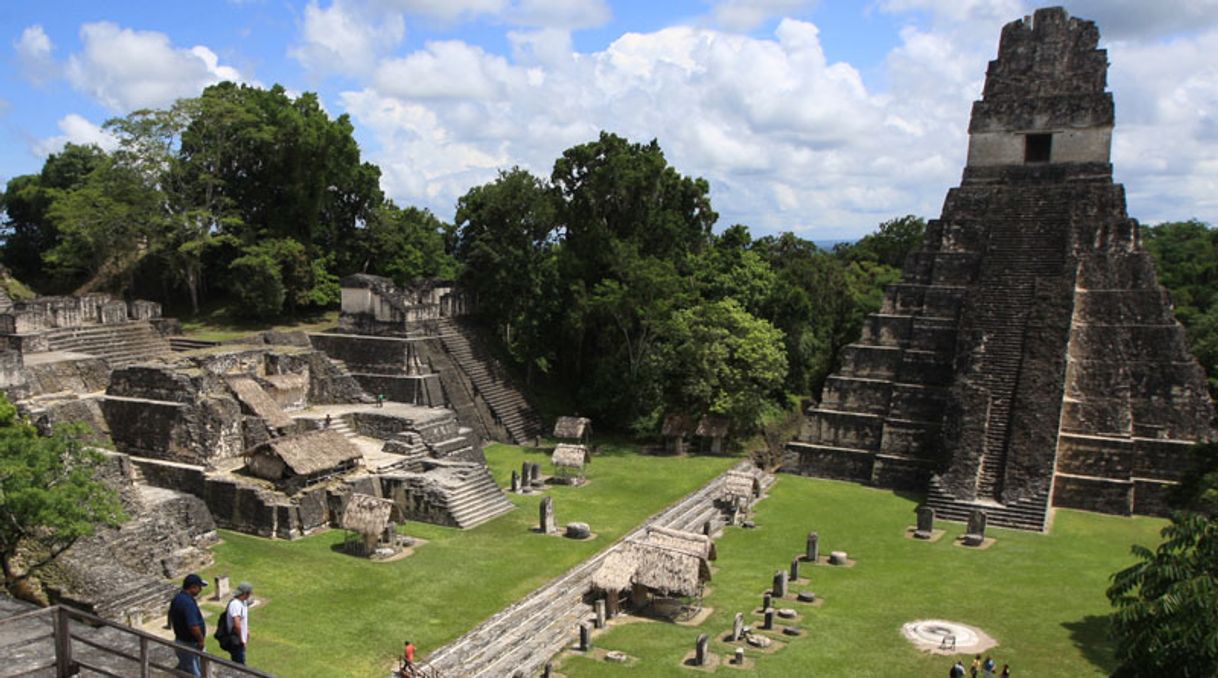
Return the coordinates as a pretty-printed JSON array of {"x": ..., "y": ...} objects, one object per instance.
[
  {"x": 217, "y": 322},
  {"x": 1040, "y": 596},
  {"x": 330, "y": 614}
]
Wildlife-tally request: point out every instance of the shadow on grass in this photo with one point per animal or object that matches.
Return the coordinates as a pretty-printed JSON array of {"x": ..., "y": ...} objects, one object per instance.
[{"x": 1090, "y": 636}]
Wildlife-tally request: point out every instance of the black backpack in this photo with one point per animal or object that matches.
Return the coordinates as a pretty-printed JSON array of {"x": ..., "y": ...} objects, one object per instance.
[{"x": 226, "y": 638}]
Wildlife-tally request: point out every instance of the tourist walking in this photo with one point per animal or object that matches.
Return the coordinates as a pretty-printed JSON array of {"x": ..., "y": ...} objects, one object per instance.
[
  {"x": 975, "y": 668},
  {"x": 1006, "y": 671},
  {"x": 189, "y": 630},
  {"x": 957, "y": 670},
  {"x": 327, "y": 425},
  {"x": 988, "y": 666},
  {"x": 380, "y": 400},
  {"x": 239, "y": 621},
  {"x": 408, "y": 659}
]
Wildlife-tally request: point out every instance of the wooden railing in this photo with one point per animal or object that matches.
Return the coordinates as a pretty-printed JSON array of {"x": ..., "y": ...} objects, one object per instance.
[{"x": 75, "y": 652}]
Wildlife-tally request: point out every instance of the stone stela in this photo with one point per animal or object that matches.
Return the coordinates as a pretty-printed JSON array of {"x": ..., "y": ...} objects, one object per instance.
[
  {"x": 926, "y": 522},
  {"x": 546, "y": 522}
]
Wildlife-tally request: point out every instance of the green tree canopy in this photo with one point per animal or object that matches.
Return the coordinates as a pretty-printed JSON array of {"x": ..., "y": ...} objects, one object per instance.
[
  {"x": 719, "y": 359},
  {"x": 50, "y": 496},
  {"x": 1166, "y": 618}
]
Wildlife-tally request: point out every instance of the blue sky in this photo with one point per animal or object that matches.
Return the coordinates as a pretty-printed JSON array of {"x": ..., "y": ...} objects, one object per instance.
[{"x": 820, "y": 117}]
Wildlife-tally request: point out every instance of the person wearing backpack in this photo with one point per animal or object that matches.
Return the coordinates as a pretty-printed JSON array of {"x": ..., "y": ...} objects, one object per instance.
[{"x": 238, "y": 620}]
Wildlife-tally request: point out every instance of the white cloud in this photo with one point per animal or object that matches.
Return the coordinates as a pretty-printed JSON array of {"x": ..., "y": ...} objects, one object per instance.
[
  {"x": 1140, "y": 20},
  {"x": 787, "y": 138},
  {"x": 449, "y": 10},
  {"x": 566, "y": 14},
  {"x": 34, "y": 55},
  {"x": 745, "y": 15},
  {"x": 77, "y": 130},
  {"x": 125, "y": 70},
  {"x": 346, "y": 38}
]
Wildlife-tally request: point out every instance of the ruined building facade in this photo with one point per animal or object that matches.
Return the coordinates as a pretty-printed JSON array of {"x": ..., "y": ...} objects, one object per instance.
[{"x": 1028, "y": 357}]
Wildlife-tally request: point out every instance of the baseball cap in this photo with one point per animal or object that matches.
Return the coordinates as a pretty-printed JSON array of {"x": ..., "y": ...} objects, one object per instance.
[
  {"x": 245, "y": 587},
  {"x": 193, "y": 580}
]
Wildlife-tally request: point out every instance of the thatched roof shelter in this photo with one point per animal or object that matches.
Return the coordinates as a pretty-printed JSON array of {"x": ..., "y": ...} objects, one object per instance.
[
  {"x": 738, "y": 485},
  {"x": 306, "y": 455},
  {"x": 570, "y": 456},
  {"x": 692, "y": 543},
  {"x": 366, "y": 514},
  {"x": 572, "y": 428},
  {"x": 677, "y": 425},
  {"x": 665, "y": 561},
  {"x": 713, "y": 426}
]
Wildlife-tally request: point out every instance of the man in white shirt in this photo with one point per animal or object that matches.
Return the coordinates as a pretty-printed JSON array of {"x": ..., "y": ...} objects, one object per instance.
[{"x": 239, "y": 620}]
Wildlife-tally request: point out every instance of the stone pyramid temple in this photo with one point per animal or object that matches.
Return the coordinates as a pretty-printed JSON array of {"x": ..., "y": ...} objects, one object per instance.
[{"x": 1028, "y": 358}]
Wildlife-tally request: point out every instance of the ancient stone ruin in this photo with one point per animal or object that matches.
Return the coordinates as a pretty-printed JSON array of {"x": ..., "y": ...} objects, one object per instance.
[
  {"x": 413, "y": 345},
  {"x": 1028, "y": 357}
]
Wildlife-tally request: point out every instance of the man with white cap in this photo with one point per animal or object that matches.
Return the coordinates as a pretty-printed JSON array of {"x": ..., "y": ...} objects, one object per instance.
[{"x": 239, "y": 620}]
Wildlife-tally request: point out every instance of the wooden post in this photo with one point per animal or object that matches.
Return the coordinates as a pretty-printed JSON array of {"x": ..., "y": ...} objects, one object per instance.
[
  {"x": 143, "y": 657},
  {"x": 63, "y": 644}
]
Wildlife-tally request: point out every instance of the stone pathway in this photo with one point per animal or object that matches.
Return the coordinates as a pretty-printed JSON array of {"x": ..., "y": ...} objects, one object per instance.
[{"x": 525, "y": 635}]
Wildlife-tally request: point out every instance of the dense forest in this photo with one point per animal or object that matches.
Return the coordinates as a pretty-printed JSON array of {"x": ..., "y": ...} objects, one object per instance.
[{"x": 605, "y": 281}]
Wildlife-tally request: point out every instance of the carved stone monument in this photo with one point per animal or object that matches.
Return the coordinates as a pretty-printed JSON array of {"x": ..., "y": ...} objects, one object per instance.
[
  {"x": 768, "y": 619},
  {"x": 599, "y": 606},
  {"x": 515, "y": 481},
  {"x": 738, "y": 627},
  {"x": 546, "y": 523},
  {"x": 535, "y": 475},
  {"x": 780, "y": 584},
  {"x": 926, "y": 522},
  {"x": 222, "y": 587},
  {"x": 585, "y": 638},
  {"x": 1029, "y": 348},
  {"x": 525, "y": 480},
  {"x": 700, "y": 650},
  {"x": 795, "y": 568},
  {"x": 975, "y": 535}
]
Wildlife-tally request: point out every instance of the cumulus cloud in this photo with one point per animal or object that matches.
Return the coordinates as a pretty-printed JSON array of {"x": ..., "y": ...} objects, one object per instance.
[
  {"x": 745, "y": 15},
  {"x": 125, "y": 70},
  {"x": 346, "y": 38},
  {"x": 1139, "y": 20},
  {"x": 77, "y": 130},
  {"x": 788, "y": 138},
  {"x": 34, "y": 55},
  {"x": 566, "y": 14},
  {"x": 785, "y": 136},
  {"x": 449, "y": 10}
]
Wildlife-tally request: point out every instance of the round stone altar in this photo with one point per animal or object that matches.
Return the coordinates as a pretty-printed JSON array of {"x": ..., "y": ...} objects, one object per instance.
[{"x": 946, "y": 637}]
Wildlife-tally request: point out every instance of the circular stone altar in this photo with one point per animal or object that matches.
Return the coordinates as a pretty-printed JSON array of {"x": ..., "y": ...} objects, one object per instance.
[{"x": 936, "y": 635}]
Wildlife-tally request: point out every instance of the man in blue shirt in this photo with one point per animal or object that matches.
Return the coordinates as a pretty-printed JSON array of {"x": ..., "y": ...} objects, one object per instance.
[{"x": 187, "y": 623}]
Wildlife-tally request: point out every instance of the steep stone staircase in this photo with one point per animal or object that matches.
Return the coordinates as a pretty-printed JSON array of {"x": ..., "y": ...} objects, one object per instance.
[
  {"x": 522, "y": 637},
  {"x": 491, "y": 381},
  {"x": 120, "y": 344},
  {"x": 1024, "y": 514},
  {"x": 478, "y": 500},
  {"x": 1015, "y": 258}
]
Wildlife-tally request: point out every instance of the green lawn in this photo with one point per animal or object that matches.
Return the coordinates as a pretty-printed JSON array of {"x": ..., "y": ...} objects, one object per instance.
[
  {"x": 1040, "y": 596},
  {"x": 217, "y": 323},
  {"x": 330, "y": 614}
]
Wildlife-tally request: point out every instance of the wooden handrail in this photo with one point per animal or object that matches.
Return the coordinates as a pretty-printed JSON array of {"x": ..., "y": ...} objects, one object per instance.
[{"x": 61, "y": 616}]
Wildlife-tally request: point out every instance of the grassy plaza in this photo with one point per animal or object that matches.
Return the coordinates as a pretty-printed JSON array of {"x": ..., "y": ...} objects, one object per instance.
[{"x": 1040, "y": 596}]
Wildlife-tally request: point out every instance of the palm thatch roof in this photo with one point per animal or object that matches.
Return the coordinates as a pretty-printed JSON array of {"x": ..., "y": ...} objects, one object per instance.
[
  {"x": 570, "y": 456},
  {"x": 312, "y": 452},
  {"x": 366, "y": 514},
  {"x": 738, "y": 485},
  {"x": 572, "y": 427},
  {"x": 692, "y": 543},
  {"x": 663, "y": 560},
  {"x": 676, "y": 425},
  {"x": 713, "y": 426}
]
